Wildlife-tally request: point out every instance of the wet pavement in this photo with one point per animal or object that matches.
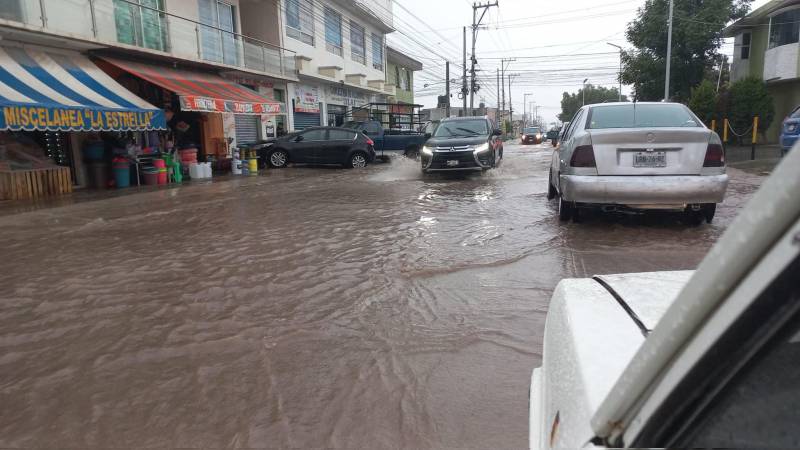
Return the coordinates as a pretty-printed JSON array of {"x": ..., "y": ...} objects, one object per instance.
[{"x": 308, "y": 307}]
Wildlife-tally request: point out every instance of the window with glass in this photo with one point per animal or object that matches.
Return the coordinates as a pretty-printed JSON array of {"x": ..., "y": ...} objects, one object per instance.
[
  {"x": 300, "y": 20},
  {"x": 463, "y": 128},
  {"x": 784, "y": 28},
  {"x": 218, "y": 41},
  {"x": 314, "y": 135},
  {"x": 641, "y": 116},
  {"x": 333, "y": 31},
  {"x": 141, "y": 23},
  {"x": 341, "y": 135},
  {"x": 377, "y": 52},
  {"x": 408, "y": 80},
  {"x": 357, "y": 43},
  {"x": 745, "y": 49},
  {"x": 11, "y": 10}
]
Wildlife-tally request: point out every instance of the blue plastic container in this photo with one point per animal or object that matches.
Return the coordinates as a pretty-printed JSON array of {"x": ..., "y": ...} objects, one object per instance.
[
  {"x": 122, "y": 175},
  {"x": 94, "y": 151}
]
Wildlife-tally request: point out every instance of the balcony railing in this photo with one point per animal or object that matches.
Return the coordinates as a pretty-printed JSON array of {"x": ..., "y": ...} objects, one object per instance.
[{"x": 128, "y": 22}]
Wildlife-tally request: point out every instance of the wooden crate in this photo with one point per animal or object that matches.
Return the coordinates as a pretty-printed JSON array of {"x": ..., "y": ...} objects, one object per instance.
[{"x": 35, "y": 183}]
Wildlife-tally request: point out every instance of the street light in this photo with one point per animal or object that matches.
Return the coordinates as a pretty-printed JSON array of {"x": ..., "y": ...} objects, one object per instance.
[
  {"x": 524, "y": 111},
  {"x": 583, "y": 92},
  {"x": 619, "y": 74}
]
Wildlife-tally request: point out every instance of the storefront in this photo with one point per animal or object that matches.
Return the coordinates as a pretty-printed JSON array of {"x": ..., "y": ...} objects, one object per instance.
[
  {"x": 53, "y": 102},
  {"x": 306, "y": 111},
  {"x": 265, "y": 126},
  {"x": 223, "y": 113}
]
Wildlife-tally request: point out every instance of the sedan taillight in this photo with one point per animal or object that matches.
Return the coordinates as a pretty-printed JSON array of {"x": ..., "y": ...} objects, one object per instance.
[
  {"x": 583, "y": 156},
  {"x": 370, "y": 141},
  {"x": 715, "y": 156}
]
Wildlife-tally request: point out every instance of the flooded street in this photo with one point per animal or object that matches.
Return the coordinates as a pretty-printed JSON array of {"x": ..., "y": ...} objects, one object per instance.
[{"x": 308, "y": 307}]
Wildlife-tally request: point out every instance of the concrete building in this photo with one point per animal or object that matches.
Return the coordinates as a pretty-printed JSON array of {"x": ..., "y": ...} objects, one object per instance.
[
  {"x": 400, "y": 74},
  {"x": 767, "y": 46},
  {"x": 340, "y": 53}
]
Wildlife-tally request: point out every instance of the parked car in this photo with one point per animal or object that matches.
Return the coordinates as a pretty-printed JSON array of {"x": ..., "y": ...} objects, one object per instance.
[
  {"x": 705, "y": 359},
  {"x": 638, "y": 156},
  {"x": 552, "y": 136},
  {"x": 790, "y": 130},
  {"x": 463, "y": 143},
  {"x": 531, "y": 135},
  {"x": 387, "y": 142},
  {"x": 320, "y": 145}
]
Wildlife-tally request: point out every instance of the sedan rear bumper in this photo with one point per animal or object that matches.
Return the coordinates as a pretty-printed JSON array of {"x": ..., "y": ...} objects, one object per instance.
[{"x": 644, "y": 190}]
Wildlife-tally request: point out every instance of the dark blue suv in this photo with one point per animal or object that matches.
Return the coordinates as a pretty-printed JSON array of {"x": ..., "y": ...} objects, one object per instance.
[{"x": 790, "y": 130}]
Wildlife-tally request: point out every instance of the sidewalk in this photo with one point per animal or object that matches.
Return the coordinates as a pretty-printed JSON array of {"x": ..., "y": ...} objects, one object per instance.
[{"x": 767, "y": 156}]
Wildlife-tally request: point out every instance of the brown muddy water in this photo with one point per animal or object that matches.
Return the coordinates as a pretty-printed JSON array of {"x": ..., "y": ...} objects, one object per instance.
[{"x": 308, "y": 307}]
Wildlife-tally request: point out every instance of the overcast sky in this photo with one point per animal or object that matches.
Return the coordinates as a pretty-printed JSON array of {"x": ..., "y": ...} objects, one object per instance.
[{"x": 557, "y": 44}]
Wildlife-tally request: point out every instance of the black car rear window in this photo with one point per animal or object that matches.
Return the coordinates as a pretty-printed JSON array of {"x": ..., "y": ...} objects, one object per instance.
[
  {"x": 641, "y": 116},
  {"x": 462, "y": 128}
]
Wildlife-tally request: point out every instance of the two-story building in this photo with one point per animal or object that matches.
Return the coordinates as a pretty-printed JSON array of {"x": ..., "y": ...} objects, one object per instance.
[
  {"x": 767, "y": 46},
  {"x": 215, "y": 72},
  {"x": 400, "y": 74},
  {"x": 340, "y": 53}
]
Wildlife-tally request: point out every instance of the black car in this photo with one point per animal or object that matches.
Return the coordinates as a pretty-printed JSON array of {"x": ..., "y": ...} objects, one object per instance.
[
  {"x": 320, "y": 145},
  {"x": 462, "y": 143}
]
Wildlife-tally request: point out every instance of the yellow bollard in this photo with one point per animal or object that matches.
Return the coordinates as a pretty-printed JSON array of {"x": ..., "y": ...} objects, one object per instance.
[
  {"x": 725, "y": 132},
  {"x": 713, "y": 124},
  {"x": 755, "y": 138}
]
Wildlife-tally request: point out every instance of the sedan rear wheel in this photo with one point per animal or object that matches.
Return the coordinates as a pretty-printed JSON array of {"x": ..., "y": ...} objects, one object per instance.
[
  {"x": 566, "y": 209},
  {"x": 358, "y": 160},
  {"x": 709, "y": 209}
]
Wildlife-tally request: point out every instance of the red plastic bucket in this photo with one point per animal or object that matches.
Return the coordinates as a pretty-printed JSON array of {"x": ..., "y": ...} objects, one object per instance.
[
  {"x": 150, "y": 178},
  {"x": 162, "y": 176}
]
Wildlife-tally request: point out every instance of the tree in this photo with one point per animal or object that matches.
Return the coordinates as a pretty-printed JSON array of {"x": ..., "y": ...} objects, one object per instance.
[
  {"x": 696, "y": 38},
  {"x": 703, "y": 101},
  {"x": 571, "y": 103},
  {"x": 748, "y": 98}
]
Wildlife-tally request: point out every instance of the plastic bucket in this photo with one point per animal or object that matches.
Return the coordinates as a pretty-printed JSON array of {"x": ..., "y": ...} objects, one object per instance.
[
  {"x": 162, "y": 176},
  {"x": 150, "y": 177},
  {"x": 252, "y": 164},
  {"x": 159, "y": 163},
  {"x": 94, "y": 151},
  {"x": 122, "y": 174}
]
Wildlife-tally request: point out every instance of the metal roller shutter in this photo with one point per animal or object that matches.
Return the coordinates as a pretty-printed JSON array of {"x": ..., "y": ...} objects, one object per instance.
[
  {"x": 246, "y": 128},
  {"x": 305, "y": 120}
]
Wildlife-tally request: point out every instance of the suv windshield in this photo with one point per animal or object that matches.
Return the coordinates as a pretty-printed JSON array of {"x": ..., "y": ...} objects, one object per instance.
[
  {"x": 531, "y": 130},
  {"x": 462, "y": 128},
  {"x": 641, "y": 116}
]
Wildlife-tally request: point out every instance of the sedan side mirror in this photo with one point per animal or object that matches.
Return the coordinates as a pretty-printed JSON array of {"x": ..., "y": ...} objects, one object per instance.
[
  {"x": 497, "y": 133},
  {"x": 298, "y": 138}
]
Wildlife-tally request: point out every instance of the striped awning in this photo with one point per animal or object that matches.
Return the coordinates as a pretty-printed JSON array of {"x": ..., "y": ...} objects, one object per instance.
[
  {"x": 44, "y": 90},
  {"x": 204, "y": 92}
]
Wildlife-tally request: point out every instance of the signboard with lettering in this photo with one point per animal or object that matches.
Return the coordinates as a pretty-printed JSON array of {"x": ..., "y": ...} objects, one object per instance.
[
  {"x": 345, "y": 96},
  {"x": 207, "y": 104},
  {"x": 306, "y": 99},
  {"x": 35, "y": 117}
]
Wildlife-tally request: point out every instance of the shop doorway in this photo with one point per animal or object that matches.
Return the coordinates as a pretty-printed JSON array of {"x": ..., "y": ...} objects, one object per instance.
[{"x": 337, "y": 115}]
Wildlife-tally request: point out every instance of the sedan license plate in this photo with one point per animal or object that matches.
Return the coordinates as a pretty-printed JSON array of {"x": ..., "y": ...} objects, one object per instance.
[
  {"x": 650, "y": 159},
  {"x": 452, "y": 162}
]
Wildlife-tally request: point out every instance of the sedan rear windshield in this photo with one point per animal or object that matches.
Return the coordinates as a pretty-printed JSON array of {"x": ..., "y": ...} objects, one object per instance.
[
  {"x": 641, "y": 116},
  {"x": 462, "y": 128}
]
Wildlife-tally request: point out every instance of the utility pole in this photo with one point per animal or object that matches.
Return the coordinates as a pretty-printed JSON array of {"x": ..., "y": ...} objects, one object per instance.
[
  {"x": 510, "y": 105},
  {"x": 619, "y": 74},
  {"x": 497, "y": 116},
  {"x": 464, "y": 79},
  {"x": 447, "y": 88},
  {"x": 583, "y": 92},
  {"x": 475, "y": 25},
  {"x": 669, "y": 51},
  {"x": 721, "y": 68},
  {"x": 524, "y": 108},
  {"x": 503, "y": 81}
]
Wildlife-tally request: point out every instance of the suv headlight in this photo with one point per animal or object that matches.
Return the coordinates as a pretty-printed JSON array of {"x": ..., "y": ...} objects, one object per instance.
[
  {"x": 427, "y": 150},
  {"x": 481, "y": 148}
]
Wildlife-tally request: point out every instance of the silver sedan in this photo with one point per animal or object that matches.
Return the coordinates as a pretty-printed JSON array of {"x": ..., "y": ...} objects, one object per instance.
[{"x": 638, "y": 156}]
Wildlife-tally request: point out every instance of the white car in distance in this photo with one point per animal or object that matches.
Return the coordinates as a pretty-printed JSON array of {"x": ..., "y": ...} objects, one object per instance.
[
  {"x": 682, "y": 359},
  {"x": 638, "y": 156}
]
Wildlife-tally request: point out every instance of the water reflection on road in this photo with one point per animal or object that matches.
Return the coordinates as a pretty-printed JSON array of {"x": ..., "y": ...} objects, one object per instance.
[{"x": 309, "y": 307}]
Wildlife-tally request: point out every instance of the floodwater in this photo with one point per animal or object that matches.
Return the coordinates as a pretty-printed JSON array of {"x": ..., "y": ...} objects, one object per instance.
[{"x": 307, "y": 307}]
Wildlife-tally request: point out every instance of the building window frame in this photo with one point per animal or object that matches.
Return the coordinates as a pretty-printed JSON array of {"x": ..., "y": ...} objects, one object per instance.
[
  {"x": 784, "y": 27},
  {"x": 358, "y": 44},
  {"x": 300, "y": 20},
  {"x": 377, "y": 51},
  {"x": 744, "y": 52},
  {"x": 333, "y": 32}
]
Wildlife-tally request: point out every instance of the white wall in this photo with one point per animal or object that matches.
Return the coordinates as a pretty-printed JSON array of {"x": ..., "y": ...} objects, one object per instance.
[
  {"x": 781, "y": 62},
  {"x": 320, "y": 57}
]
